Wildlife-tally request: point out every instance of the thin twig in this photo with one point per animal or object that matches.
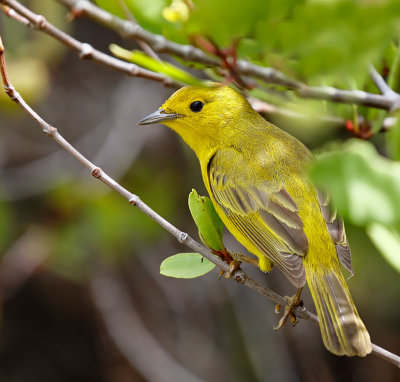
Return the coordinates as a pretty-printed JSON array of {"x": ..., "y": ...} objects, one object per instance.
[
  {"x": 145, "y": 47},
  {"x": 131, "y": 30},
  {"x": 275, "y": 111},
  {"x": 239, "y": 276},
  {"x": 14, "y": 15},
  {"x": 85, "y": 50},
  {"x": 385, "y": 89}
]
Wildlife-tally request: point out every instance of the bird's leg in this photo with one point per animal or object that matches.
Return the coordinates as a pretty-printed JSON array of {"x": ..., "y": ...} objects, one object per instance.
[
  {"x": 244, "y": 259},
  {"x": 237, "y": 259},
  {"x": 234, "y": 260},
  {"x": 292, "y": 303}
]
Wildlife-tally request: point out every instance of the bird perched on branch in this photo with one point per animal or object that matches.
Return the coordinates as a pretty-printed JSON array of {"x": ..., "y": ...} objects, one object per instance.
[{"x": 254, "y": 174}]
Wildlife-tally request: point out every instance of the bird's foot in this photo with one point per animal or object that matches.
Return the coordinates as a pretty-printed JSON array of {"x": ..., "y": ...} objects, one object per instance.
[
  {"x": 234, "y": 260},
  {"x": 292, "y": 303},
  {"x": 237, "y": 259}
]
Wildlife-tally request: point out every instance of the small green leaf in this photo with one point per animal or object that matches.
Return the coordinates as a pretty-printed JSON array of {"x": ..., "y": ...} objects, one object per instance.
[
  {"x": 207, "y": 220},
  {"x": 186, "y": 266},
  {"x": 143, "y": 60},
  {"x": 387, "y": 240}
]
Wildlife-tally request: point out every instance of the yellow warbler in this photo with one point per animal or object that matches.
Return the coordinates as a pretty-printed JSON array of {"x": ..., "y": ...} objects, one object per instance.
[{"x": 254, "y": 174}]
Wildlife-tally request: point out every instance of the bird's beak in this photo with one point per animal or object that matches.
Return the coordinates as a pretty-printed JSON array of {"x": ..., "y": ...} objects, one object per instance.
[{"x": 158, "y": 116}]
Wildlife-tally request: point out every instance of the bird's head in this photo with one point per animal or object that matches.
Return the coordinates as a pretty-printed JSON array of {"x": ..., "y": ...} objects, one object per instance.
[{"x": 204, "y": 117}]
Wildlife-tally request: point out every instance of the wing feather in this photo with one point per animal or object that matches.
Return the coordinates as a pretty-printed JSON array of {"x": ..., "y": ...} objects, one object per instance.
[
  {"x": 336, "y": 229},
  {"x": 265, "y": 214}
]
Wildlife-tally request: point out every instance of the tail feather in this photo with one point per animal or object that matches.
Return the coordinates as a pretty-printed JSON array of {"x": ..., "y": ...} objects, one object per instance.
[{"x": 342, "y": 330}]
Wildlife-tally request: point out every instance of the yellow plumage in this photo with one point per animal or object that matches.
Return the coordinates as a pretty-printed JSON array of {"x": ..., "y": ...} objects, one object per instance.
[{"x": 254, "y": 174}]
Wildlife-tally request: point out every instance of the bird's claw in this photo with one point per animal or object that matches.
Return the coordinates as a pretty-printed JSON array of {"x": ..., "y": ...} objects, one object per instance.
[
  {"x": 233, "y": 267},
  {"x": 292, "y": 303}
]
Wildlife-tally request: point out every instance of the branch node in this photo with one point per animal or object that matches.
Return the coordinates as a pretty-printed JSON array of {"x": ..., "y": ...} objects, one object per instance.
[
  {"x": 183, "y": 236},
  {"x": 40, "y": 22},
  {"x": 134, "y": 200},
  {"x": 86, "y": 51},
  {"x": 79, "y": 8},
  {"x": 11, "y": 92},
  {"x": 134, "y": 70},
  {"x": 97, "y": 172},
  {"x": 159, "y": 43},
  {"x": 50, "y": 130},
  {"x": 130, "y": 29},
  {"x": 239, "y": 279}
]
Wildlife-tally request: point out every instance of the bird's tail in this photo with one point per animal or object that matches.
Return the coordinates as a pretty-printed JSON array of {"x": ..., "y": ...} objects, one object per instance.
[{"x": 342, "y": 330}]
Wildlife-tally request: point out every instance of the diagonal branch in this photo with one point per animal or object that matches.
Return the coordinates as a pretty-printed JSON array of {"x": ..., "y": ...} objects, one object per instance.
[
  {"x": 85, "y": 51},
  {"x": 239, "y": 276},
  {"x": 132, "y": 30}
]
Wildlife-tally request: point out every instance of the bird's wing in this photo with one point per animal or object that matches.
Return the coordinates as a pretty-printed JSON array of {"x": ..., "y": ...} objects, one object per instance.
[
  {"x": 262, "y": 212},
  {"x": 336, "y": 230}
]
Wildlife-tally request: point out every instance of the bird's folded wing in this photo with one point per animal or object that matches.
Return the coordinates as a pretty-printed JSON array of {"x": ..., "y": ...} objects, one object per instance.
[
  {"x": 336, "y": 230},
  {"x": 262, "y": 212}
]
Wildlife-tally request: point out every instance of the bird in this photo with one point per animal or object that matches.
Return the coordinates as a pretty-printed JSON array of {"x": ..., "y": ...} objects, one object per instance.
[{"x": 255, "y": 175}]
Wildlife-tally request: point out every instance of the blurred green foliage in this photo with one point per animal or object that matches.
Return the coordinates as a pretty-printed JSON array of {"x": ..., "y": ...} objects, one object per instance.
[
  {"x": 321, "y": 41},
  {"x": 365, "y": 188},
  {"x": 363, "y": 185},
  {"x": 387, "y": 240}
]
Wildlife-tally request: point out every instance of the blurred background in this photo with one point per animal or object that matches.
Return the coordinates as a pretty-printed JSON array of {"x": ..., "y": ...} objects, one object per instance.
[{"x": 81, "y": 297}]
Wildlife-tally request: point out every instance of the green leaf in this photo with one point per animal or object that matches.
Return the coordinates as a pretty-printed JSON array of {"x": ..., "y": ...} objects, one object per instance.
[
  {"x": 112, "y": 6},
  {"x": 207, "y": 220},
  {"x": 387, "y": 240},
  {"x": 364, "y": 186},
  {"x": 141, "y": 59},
  {"x": 186, "y": 266}
]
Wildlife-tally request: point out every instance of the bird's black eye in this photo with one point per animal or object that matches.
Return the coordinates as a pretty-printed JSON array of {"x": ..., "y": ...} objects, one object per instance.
[{"x": 196, "y": 106}]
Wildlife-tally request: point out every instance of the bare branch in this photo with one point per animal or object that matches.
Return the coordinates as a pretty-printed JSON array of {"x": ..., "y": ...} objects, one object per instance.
[
  {"x": 275, "y": 111},
  {"x": 385, "y": 89},
  {"x": 131, "y": 30},
  {"x": 239, "y": 276},
  {"x": 84, "y": 50},
  {"x": 14, "y": 15},
  {"x": 357, "y": 97}
]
